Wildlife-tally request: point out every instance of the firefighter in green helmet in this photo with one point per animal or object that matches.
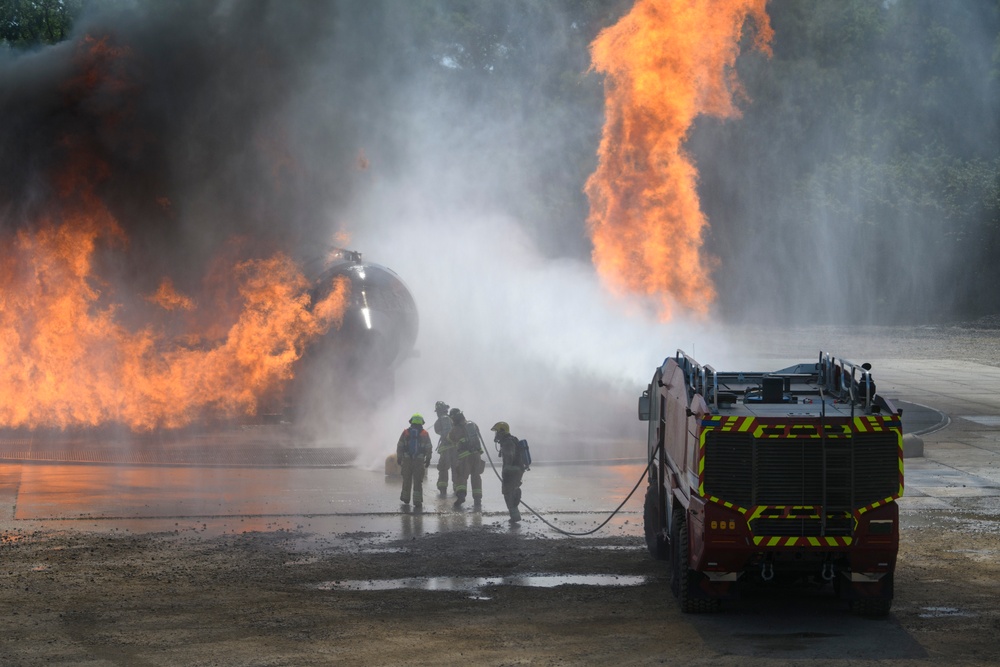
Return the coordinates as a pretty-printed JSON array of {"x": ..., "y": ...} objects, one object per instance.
[
  {"x": 513, "y": 468},
  {"x": 413, "y": 454}
]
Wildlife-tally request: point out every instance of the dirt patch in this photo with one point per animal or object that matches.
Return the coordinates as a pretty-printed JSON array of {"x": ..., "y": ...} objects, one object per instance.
[{"x": 266, "y": 599}]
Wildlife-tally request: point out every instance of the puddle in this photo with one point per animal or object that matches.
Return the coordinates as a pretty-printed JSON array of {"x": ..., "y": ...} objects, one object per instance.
[
  {"x": 944, "y": 612},
  {"x": 616, "y": 547},
  {"x": 302, "y": 561},
  {"x": 309, "y": 560},
  {"x": 473, "y": 585}
]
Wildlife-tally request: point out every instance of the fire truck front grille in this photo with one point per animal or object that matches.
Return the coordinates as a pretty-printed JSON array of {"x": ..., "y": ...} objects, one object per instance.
[
  {"x": 876, "y": 468},
  {"x": 839, "y": 474},
  {"x": 732, "y": 458}
]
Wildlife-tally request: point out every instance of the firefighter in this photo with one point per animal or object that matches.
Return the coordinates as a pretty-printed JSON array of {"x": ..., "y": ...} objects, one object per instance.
[
  {"x": 413, "y": 454},
  {"x": 513, "y": 468},
  {"x": 470, "y": 464},
  {"x": 446, "y": 450}
]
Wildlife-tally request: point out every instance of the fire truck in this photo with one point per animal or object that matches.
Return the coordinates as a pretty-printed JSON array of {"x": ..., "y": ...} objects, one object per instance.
[{"x": 763, "y": 478}]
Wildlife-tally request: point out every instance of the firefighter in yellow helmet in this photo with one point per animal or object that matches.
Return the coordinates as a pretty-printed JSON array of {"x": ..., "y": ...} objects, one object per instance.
[
  {"x": 513, "y": 468},
  {"x": 469, "y": 468},
  {"x": 413, "y": 454}
]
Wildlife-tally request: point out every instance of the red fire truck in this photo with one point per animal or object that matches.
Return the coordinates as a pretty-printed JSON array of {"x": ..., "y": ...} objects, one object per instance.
[{"x": 782, "y": 476}]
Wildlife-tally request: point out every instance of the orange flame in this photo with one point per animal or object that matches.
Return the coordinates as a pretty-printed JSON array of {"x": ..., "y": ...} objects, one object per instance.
[
  {"x": 168, "y": 298},
  {"x": 666, "y": 62},
  {"x": 68, "y": 360}
]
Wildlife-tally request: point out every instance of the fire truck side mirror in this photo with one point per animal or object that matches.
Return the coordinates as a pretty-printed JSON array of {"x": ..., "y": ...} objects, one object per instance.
[{"x": 644, "y": 406}]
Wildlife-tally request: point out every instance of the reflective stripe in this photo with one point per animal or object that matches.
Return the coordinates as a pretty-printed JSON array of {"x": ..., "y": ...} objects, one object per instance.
[{"x": 802, "y": 541}]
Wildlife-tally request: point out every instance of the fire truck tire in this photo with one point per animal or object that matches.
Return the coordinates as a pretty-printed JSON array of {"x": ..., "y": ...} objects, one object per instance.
[
  {"x": 871, "y": 607},
  {"x": 675, "y": 557},
  {"x": 652, "y": 526},
  {"x": 687, "y": 579},
  {"x": 875, "y": 607}
]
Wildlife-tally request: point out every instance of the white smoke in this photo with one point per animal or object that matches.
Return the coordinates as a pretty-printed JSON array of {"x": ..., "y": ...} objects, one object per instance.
[{"x": 506, "y": 334}]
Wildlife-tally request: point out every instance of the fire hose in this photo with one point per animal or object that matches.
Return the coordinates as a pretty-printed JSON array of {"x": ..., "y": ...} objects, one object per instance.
[{"x": 546, "y": 521}]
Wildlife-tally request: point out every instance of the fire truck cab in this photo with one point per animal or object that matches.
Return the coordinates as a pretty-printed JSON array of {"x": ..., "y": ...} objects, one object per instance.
[{"x": 789, "y": 475}]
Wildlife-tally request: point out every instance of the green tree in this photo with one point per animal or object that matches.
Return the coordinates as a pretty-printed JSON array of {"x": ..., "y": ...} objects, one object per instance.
[
  {"x": 30, "y": 23},
  {"x": 860, "y": 185}
]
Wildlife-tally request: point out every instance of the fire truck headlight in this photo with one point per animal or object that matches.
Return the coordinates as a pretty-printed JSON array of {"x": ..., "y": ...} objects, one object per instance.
[{"x": 722, "y": 525}]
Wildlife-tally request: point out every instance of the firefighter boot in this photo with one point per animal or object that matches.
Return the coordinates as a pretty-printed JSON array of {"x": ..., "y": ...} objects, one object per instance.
[
  {"x": 458, "y": 501},
  {"x": 515, "y": 514},
  {"x": 477, "y": 504}
]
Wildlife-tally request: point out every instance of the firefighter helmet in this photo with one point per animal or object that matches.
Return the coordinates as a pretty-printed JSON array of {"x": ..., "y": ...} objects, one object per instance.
[
  {"x": 456, "y": 415},
  {"x": 501, "y": 427},
  {"x": 417, "y": 419},
  {"x": 441, "y": 408}
]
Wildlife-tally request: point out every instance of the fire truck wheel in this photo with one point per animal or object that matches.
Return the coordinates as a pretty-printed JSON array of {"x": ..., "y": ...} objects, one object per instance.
[
  {"x": 871, "y": 607},
  {"x": 653, "y": 526},
  {"x": 687, "y": 579},
  {"x": 681, "y": 568},
  {"x": 875, "y": 607},
  {"x": 675, "y": 557}
]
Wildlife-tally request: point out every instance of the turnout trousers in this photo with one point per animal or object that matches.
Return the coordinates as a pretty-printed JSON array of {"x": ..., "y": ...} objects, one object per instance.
[
  {"x": 447, "y": 460},
  {"x": 511, "y": 485},
  {"x": 469, "y": 476},
  {"x": 413, "y": 479}
]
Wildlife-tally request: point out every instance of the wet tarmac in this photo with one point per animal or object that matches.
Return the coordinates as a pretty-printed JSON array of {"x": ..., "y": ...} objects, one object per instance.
[
  {"x": 955, "y": 414},
  {"x": 322, "y": 501}
]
